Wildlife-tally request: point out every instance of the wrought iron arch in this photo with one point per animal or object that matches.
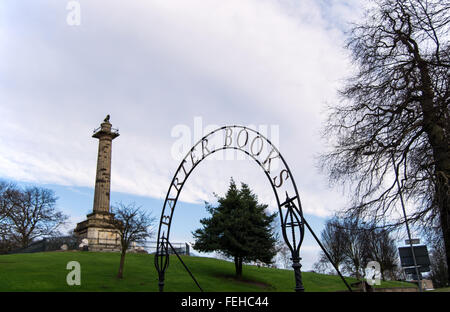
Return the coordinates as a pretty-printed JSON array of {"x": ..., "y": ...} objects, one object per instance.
[{"x": 243, "y": 139}]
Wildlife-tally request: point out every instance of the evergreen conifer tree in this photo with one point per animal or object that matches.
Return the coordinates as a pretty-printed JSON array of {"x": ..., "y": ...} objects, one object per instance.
[{"x": 239, "y": 227}]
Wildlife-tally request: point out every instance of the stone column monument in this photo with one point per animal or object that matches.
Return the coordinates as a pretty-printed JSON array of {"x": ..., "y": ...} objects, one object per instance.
[{"x": 99, "y": 228}]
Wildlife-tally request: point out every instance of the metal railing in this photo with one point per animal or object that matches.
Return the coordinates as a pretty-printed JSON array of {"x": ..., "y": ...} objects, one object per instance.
[
  {"x": 113, "y": 130},
  {"x": 74, "y": 243},
  {"x": 49, "y": 244}
]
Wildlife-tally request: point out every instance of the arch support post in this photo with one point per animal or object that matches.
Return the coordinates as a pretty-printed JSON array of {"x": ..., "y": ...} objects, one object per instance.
[
  {"x": 298, "y": 274},
  {"x": 161, "y": 261},
  {"x": 161, "y": 281}
]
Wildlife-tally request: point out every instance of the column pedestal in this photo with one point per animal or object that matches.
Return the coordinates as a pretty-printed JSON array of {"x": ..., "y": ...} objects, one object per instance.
[{"x": 100, "y": 232}]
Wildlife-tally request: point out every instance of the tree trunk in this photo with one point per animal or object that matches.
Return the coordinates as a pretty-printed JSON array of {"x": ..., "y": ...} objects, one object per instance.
[
  {"x": 24, "y": 242},
  {"x": 357, "y": 274},
  {"x": 122, "y": 262},
  {"x": 432, "y": 124},
  {"x": 238, "y": 266},
  {"x": 445, "y": 223}
]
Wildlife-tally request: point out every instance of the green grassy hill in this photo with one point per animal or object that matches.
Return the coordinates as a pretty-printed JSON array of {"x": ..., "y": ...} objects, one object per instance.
[{"x": 47, "y": 272}]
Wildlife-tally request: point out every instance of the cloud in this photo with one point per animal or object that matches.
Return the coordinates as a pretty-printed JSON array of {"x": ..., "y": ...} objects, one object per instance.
[{"x": 156, "y": 64}]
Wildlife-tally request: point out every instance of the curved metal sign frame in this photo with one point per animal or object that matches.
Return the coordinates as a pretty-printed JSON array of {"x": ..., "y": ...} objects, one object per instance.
[{"x": 267, "y": 156}]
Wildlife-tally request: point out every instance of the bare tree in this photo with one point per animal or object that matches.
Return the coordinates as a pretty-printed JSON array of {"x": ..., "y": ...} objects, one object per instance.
[
  {"x": 395, "y": 110},
  {"x": 354, "y": 247},
  {"x": 354, "y": 244},
  {"x": 346, "y": 242},
  {"x": 6, "y": 189},
  {"x": 32, "y": 214},
  {"x": 284, "y": 254},
  {"x": 134, "y": 226},
  {"x": 381, "y": 247},
  {"x": 6, "y": 241},
  {"x": 438, "y": 265},
  {"x": 333, "y": 239}
]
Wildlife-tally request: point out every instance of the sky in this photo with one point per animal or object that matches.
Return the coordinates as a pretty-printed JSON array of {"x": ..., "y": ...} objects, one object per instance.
[{"x": 168, "y": 72}]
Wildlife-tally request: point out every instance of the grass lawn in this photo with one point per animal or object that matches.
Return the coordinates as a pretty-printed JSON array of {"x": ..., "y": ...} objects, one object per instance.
[{"x": 47, "y": 272}]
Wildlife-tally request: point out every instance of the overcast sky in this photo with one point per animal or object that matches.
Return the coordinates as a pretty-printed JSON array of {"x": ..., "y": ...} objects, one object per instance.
[{"x": 159, "y": 65}]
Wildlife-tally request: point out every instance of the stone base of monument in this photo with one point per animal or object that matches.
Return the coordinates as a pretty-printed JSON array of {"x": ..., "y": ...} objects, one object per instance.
[{"x": 99, "y": 231}]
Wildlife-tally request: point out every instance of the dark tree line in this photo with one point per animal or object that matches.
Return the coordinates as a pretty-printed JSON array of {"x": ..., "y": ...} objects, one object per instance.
[
  {"x": 392, "y": 124},
  {"x": 352, "y": 245},
  {"x": 27, "y": 214}
]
